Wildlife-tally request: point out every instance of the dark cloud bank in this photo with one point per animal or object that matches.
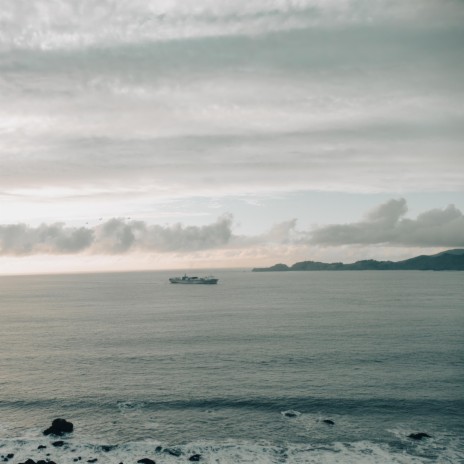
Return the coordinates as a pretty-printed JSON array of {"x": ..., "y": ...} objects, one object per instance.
[
  {"x": 115, "y": 236},
  {"x": 385, "y": 224}
]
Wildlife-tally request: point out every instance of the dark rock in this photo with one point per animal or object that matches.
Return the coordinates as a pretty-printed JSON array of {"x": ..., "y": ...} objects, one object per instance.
[
  {"x": 59, "y": 427},
  {"x": 172, "y": 452},
  {"x": 28, "y": 461},
  {"x": 158, "y": 449},
  {"x": 41, "y": 447},
  {"x": 419, "y": 436},
  {"x": 75, "y": 460},
  {"x": 92, "y": 460},
  {"x": 41, "y": 462},
  {"x": 146, "y": 461},
  {"x": 195, "y": 457},
  {"x": 107, "y": 448},
  {"x": 58, "y": 443},
  {"x": 291, "y": 413},
  {"x": 328, "y": 422},
  {"x": 10, "y": 455}
]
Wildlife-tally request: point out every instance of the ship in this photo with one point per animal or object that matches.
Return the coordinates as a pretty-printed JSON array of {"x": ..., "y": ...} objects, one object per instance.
[{"x": 185, "y": 279}]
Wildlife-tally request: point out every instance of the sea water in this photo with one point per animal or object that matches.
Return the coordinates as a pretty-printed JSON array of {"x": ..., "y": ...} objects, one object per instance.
[{"x": 246, "y": 371}]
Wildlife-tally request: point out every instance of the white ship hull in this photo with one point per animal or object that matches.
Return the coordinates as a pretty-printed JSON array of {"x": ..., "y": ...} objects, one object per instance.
[{"x": 193, "y": 280}]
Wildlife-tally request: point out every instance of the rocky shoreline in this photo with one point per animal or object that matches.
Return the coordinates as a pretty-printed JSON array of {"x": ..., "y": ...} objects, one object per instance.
[
  {"x": 112, "y": 453},
  {"x": 62, "y": 427}
]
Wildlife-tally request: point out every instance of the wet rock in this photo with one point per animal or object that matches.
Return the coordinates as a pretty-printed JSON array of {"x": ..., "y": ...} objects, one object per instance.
[
  {"x": 41, "y": 447},
  {"x": 328, "y": 422},
  {"x": 195, "y": 457},
  {"x": 291, "y": 413},
  {"x": 59, "y": 427},
  {"x": 107, "y": 448},
  {"x": 146, "y": 461},
  {"x": 58, "y": 443},
  {"x": 92, "y": 460},
  {"x": 419, "y": 436},
  {"x": 172, "y": 452}
]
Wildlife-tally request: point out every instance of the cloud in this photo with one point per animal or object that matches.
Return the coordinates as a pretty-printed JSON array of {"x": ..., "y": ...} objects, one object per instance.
[
  {"x": 112, "y": 108},
  {"x": 387, "y": 225},
  {"x": 231, "y": 95},
  {"x": 20, "y": 239},
  {"x": 59, "y": 24},
  {"x": 283, "y": 233},
  {"x": 115, "y": 236},
  {"x": 119, "y": 236},
  {"x": 384, "y": 225}
]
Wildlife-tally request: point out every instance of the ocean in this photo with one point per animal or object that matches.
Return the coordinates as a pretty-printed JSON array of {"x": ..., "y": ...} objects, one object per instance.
[{"x": 247, "y": 371}]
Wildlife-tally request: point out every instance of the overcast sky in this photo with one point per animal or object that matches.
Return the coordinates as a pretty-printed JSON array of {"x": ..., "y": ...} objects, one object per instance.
[{"x": 222, "y": 133}]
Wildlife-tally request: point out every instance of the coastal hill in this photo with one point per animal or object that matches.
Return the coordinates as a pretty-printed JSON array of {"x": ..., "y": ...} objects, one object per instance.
[{"x": 450, "y": 260}]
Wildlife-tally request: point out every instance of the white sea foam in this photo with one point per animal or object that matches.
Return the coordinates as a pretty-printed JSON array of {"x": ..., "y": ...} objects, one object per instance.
[
  {"x": 225, "y": 452},
  {"x": 128, "y": 406},
  {"x": 446, "y": 447}
]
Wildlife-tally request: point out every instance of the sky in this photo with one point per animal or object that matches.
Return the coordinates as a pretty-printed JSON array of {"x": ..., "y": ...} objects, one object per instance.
[{"x": 165, "y": 134}]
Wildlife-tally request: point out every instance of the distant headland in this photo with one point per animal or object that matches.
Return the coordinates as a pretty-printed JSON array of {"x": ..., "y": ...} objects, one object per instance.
[{"x": 450, "y": 260}]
